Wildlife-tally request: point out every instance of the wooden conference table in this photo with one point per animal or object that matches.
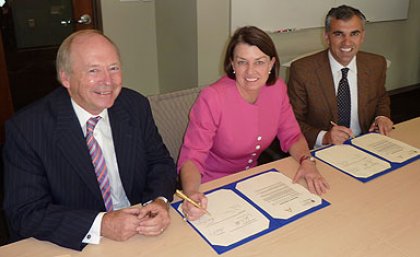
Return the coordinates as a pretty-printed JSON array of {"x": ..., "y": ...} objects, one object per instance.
[{"x": 377, "y": 218}]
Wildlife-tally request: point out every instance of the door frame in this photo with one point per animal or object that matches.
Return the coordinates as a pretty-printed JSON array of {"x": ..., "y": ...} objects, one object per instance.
[{"x": 6, "y": 106}]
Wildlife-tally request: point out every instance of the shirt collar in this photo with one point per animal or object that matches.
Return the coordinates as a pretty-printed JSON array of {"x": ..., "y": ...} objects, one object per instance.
[
  {"x": 84, "y": 115},
  {"x": 336, "y": 66}
]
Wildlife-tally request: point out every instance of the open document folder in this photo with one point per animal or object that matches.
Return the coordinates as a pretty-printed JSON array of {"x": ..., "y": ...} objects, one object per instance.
[
  {"x": 245, "y": 210},
  {"x": 368, "y": 156}
]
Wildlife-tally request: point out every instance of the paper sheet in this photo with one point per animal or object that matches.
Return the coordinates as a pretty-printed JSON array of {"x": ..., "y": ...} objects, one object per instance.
[
  {"x": 277, "y": 195},
  {"x": 232, "y": 219},
  {"x": 352, "y": 160},
  {"x": 236, "y": 219},
  {"x": 386, "y": 147}
]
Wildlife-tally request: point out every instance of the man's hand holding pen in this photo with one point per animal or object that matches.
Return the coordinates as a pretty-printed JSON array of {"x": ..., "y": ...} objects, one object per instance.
[
  {"x": 337, "y": 134},
  {"x": 154, "y": 218},
  {"x": 150, "y": 220}
]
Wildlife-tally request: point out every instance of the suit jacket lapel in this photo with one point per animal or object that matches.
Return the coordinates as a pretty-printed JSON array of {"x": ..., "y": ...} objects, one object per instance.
[
  {"x": 124, "y": 142},
  {"x": 326, "y": 82},
  {"x": 362, "y": 91},
  {"x": 71, "y": 142}
]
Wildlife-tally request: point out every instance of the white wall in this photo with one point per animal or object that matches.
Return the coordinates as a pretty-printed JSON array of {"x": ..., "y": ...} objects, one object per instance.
[
  {"x": 213, "y": 34},
  {"x": 398, "y": 41},
  {"x": 133, "y": 27},
  {"x": 176, "y": 28},
  {"x": 274, "y": 15}
]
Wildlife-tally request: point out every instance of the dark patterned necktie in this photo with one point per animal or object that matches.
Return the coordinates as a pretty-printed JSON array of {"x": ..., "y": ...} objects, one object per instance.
[
  {"x": 343, "y": 100},
  {"x": 98, "y": 161}
]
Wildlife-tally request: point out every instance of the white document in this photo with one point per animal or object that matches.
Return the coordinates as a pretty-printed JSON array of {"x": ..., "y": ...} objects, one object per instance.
[
  {"x": 386, "y": 147},
  {"x": 352, "y": 160},
  {"x": 232, "y": 219},
  {"x": 277, "y": 195}
]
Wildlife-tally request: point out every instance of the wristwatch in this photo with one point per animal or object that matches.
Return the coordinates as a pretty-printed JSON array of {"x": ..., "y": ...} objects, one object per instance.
[{"x": 306, "y": 157}]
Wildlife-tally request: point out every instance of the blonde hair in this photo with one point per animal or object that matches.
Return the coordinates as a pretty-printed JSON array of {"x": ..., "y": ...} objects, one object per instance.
[{"x": 63, "y": 61}]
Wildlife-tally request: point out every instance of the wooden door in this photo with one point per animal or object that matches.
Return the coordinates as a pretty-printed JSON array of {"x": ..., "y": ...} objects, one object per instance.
[
  {"x": 31, "y": 34},
  {"x": 6, "y": 108}
]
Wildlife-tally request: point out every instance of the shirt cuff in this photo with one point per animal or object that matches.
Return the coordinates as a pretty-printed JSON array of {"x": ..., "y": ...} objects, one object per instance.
[
  {"x": 93, "y": 236},
  {"x": 159, "y": 197},
  {"x": 320, "y": 138},
  {"x": 377, "y": 117}
]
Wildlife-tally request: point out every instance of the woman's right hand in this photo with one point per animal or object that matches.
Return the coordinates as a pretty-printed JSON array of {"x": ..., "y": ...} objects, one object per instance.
[{"x": 190, "y": 211}]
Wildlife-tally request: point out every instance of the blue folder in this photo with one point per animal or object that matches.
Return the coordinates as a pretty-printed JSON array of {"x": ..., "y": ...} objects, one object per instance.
[
  {"x": 274, "y": 223},
  {"x": 393, "y": 167}
]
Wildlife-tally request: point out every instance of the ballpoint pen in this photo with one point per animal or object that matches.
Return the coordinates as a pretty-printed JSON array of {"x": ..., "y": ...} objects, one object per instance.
[{"x": 181, "y": 195}]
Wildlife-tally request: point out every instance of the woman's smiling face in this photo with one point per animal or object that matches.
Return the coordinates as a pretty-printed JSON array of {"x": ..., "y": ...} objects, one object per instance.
[{"x": 252, "y": 68}]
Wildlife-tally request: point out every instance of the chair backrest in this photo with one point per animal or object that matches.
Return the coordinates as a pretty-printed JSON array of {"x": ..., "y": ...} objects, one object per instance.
[{"x": 170, "y": 112}]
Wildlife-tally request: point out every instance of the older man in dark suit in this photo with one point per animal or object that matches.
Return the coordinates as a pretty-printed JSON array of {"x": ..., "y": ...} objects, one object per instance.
[
  {"x": 340, "y": 92},
  {"x": 79, "y": 160}
]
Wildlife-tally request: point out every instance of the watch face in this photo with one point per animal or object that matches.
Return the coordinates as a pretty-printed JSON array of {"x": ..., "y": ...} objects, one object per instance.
[{"x": 306, "y": 157}]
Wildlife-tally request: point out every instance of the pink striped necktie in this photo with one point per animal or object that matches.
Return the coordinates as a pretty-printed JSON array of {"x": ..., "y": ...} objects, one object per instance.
[{"x": 98, "y": 161}]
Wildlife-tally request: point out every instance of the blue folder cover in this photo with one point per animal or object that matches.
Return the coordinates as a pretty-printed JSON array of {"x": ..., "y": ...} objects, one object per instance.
[
  {"x": 274, "y": 223},
  {"x": 394, "y": 165}
]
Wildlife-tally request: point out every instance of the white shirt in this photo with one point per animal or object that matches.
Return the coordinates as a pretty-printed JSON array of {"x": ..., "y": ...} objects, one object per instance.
[
  {"x": 103, "y": 135},
  {"x": 352, "y": 79}
]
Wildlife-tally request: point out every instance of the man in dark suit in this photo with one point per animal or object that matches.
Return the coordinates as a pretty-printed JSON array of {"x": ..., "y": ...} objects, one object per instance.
[
  {"x": 78, "y": 161},
  {"x": 314, "y": 82}
]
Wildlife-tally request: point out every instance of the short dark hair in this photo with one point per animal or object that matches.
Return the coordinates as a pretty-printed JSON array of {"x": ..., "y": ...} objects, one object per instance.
[
  {"x": 343, "y": 12},
  {"x": 252, "y": 36}
]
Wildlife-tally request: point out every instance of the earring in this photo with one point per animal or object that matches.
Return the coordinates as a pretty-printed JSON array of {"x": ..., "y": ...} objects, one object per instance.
[
  {"x": 269, "y": 72},
  {"x": 234, "y": 72}
]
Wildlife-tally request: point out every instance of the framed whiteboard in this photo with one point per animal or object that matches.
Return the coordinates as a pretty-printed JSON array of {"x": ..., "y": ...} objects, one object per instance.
[{"x": 290, "y": 15}]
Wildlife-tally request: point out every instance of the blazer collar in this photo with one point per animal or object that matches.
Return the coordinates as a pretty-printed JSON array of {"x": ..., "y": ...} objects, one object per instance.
[
  {"x": 125, "y": 141},
  {"x": 363, "y": 74},
  {"x": 69, "y": 138},
  {"x": 326, "y": 82}
]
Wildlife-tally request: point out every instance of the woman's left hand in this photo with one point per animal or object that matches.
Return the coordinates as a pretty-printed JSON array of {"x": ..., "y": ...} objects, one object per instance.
[{"x": 315, "y": 181}]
